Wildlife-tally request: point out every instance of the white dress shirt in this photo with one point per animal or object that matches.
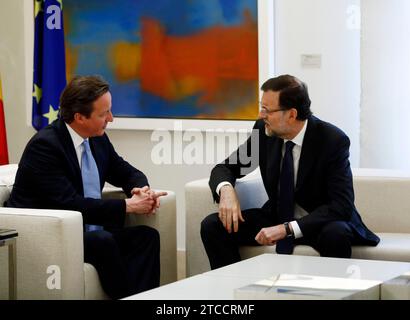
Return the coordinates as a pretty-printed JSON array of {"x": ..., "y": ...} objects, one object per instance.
[
  {"x": 296, "y": 151},
  {"x": 77, "y": 141}
]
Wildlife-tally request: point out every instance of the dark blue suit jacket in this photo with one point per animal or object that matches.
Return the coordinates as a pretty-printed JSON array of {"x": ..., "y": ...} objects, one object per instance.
[
  {"x": 324, "y": 186},
  {"x": 49, "y": 177}
]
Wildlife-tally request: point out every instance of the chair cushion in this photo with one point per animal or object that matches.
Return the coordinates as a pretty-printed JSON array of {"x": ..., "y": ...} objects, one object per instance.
[
  {"x": 8, "y": 174},
  {"x": 93, "y": 289},
  {"x": 392, "y": 247},
  {"x": 4, "y": 194}
]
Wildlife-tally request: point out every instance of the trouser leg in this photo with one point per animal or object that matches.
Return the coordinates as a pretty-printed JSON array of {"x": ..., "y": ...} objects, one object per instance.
[
  {"x": 127, "y": 260},
  {"x": 221, "y": 246},
  {"x": 334, "y": 240},
  {"x": 101, "y": 250},
  {"x": 140, "y": 249}
]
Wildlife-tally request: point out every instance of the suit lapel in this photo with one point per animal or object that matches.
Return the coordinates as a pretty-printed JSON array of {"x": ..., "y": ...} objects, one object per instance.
[
  {"x": 274, "y": 156},
  {"x": 67, "y": 144},
  {"x": 308, "y": 153},
  {"x": 96, "y": 155}
]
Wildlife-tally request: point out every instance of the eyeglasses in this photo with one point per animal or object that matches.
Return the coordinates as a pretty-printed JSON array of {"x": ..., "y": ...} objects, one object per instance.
[{"x": 265, "y": 111}]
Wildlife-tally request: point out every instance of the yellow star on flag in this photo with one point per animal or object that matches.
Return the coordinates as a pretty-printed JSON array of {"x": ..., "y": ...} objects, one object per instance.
[
  {"x": 38, "y": 93},
  {"x": 51, "y": 115},
  {"x": 38, "y": 6}
]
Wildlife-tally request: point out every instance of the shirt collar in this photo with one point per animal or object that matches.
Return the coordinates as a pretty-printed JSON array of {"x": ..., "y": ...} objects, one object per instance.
[
  {"x": 298, "y": 140},
  {"x": 77, "y": 139}
]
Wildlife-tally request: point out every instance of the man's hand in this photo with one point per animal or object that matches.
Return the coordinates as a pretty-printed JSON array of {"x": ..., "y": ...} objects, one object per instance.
[
  {"x": 138, "y": 190},
  {"x": 139, "y": 203},
  {"x": 229, "y": 209},
  {"x": 269, "y": 236},
  {"x": 143, "y": 201},
  {"x": 155, "y": 196}
]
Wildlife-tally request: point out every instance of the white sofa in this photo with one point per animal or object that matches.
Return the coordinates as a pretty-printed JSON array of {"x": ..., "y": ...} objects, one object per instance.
[
  {"x": 55, "y": 238},
  {"x": 382, "y": 199}
]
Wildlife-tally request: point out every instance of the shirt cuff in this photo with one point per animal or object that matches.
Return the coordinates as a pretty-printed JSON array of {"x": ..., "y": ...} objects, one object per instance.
[
  {"x": 223, "y": 183},
  {"x": 296, "y": 230}
]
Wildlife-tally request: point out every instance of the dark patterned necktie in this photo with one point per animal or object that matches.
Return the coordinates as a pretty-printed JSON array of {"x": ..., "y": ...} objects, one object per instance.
[{"x": 286, "y": 200}]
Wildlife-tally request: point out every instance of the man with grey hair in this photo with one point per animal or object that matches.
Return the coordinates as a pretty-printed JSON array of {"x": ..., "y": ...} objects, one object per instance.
[{"x": 304, "y": 164}]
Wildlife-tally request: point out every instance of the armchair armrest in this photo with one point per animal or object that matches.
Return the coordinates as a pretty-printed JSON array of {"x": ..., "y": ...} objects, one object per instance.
[
  {"x": 164, "y": 221},
  {"x": 45, "y": 238},
  {"x": 5, "y": 192},
  {"x": 198, "y": 204}
]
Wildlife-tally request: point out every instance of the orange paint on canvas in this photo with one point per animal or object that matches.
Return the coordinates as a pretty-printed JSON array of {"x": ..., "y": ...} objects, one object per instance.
[
  {"x": 71, "y": 59},
  {"x": 207, "y": 58},
  {"x": 125, "y": 59},
  {"x": 246, "y": 111}
]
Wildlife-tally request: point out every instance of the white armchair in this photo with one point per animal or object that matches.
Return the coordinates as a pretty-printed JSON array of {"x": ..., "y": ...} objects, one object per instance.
[
  {"x": 54, "y": 238},
  {"x": 199, "y": 204},
  {"x": 382, "y": 199}
]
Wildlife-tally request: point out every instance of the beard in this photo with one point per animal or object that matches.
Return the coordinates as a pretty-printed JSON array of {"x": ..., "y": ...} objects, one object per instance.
[
  {"x": 279, "y": 132},
  {"x": 268, "y": 132}
]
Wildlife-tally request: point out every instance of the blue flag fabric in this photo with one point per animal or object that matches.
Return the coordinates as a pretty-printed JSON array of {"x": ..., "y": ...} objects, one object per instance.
[{"x": 49, "y": 61}]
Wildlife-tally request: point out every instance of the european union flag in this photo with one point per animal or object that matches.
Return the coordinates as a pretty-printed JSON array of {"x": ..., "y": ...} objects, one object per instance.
[{"x": 49, "y": 61}]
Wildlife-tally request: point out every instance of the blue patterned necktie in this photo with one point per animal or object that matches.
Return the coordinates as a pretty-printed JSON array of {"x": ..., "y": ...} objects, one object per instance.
[
  {"x": 286, "y": 200},
  {"x": 91, "y": 179}
]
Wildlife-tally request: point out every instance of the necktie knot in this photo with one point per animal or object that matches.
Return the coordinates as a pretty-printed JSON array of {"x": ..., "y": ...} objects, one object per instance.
[
  {"x": 89, "y": 173},
  {"x": 86, "y": 145},
  {"x": 289, "y": 146}
]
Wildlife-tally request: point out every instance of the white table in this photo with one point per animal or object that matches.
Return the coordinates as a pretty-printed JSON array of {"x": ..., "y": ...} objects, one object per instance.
[
  {"x": 12, "y": 244},
  {"x": 219, "y": 284}
]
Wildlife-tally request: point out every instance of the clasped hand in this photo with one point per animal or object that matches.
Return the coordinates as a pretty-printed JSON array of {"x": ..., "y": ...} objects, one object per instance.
[{"x": 144, "y": 201}]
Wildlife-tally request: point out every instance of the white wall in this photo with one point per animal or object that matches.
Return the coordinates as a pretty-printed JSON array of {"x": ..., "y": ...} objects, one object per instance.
[
  {"x": 385, "y": 84},
  {"x": 302, "y": 27},
  {"x": 16, "y": 72},
  {"x": 323, "y": 27}
]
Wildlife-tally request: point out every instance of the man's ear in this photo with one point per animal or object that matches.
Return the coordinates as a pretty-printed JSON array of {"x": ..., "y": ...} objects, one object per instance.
[
  {"x": 293, "y": 114},
  {"x": 78, "y": 117}
]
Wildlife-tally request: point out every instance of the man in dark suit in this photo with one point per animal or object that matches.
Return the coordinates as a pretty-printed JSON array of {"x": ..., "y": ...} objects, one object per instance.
[
  {"x": 304, "y": 164},
  {"x": 65, "y": 166}
]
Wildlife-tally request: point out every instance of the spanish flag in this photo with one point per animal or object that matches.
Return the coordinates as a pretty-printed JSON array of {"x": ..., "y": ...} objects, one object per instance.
[{"x": 4, "y": 156}]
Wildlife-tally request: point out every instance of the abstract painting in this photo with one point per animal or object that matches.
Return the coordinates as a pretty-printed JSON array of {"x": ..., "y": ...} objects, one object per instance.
[{"x": 188, "y": 59}]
